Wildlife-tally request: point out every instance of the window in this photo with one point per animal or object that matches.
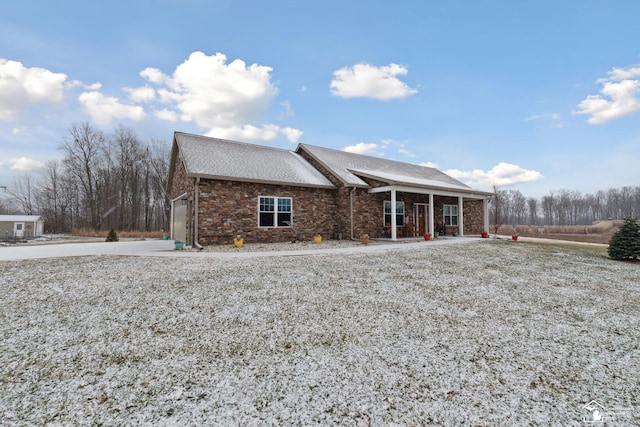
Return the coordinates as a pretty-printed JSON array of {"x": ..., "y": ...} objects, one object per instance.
[
  {"x": 399, "y": 213},
  {"x": 274, "y": 212},
  {"x": 18, "y": 227},
  {"x": 450, "y": 215}
]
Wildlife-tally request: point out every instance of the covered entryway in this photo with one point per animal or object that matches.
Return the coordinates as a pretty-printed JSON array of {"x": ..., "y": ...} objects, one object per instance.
[{"x": 456, "y": 215}]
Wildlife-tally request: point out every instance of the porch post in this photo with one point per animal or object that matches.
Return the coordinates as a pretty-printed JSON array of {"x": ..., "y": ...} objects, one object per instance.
[
  {"x": 431, "y": 224},
  {"x": 485, "y": 205},
  {"x": 460, "y": 217},
  {"x": 393, "y": 215}
]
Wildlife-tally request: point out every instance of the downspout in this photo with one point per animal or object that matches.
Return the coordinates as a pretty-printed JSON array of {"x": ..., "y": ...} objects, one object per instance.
[
  {"x": 195, "y": 204},
  {"x": 351, "y": 210}
]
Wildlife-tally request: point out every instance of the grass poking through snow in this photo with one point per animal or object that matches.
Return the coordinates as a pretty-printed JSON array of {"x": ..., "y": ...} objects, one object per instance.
[{"x": 484, "y": 333}]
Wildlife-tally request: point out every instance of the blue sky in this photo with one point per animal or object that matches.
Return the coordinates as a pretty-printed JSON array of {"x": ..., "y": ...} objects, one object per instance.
[{"x": 536, "y": 96}]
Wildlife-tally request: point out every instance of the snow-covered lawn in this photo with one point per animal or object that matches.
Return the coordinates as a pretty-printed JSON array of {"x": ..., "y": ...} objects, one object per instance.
[{"x": 481, "y": 333}]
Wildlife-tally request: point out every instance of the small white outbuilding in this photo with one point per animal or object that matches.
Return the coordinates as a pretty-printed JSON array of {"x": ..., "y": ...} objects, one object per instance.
[{"x": 21, "y": 226}]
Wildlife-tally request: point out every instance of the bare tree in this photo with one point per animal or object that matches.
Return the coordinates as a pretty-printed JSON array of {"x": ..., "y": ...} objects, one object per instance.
[
  {"x": 532, "y": 204},
  {"x": 496, "y": 209},
  {"x": 83, "y": 150},
  {"x": 24, "y": 192},
  {"x": 159, "y": 152},
  {"x": 126, "y": 155},
  {"x": 52, "y": 198},
  {"x": 519, "y": 207}
]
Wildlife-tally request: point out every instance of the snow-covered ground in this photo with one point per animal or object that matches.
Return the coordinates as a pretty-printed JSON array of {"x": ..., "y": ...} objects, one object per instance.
[{"x": 477, "y": 333}]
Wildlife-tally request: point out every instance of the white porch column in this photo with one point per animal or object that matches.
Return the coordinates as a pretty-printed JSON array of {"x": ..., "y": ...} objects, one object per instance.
[
  {"x": 393, "y": 215},
  {"x": 460, "y": 217},
  {"x": 431, "y": 224},
  {"x": 485, "y": 206}
]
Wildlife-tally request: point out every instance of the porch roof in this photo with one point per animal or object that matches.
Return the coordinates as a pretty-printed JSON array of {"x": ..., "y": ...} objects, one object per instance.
[
  {"x": 412, "y": 184},
  {"x": 350, "y": 168}
]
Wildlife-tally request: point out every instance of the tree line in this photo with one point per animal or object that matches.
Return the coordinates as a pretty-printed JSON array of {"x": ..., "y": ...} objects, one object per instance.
[
  {"x": 102, "y": 182},
  {"x": 564, "y": 207},
  {"x": 118, "y": 181}
]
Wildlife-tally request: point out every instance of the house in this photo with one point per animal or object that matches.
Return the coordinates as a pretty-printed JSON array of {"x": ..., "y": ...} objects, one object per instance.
[
  {"x": 220, "y": 189},
  {"x": 21, "y": 226}
]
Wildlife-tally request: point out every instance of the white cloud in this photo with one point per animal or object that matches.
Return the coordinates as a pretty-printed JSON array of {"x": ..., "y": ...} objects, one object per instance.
[
  {"x": 618, "y": 74},
  {"x": 103, "y": 109},
  {"x": 141, "y": 94},
  {"x": 25, "y": 164},
  {"x": 368, "y": 81},
  {"x": 21, "y": 86},
  {"x": 287, "y": 110},
  {"x": 225, "y": 98},
  {"x": 554, "y": 118},
  {"x": 618, "y": 96},
  {"x": 406, "y": 153},
  {"x": 267, "y": 132},
  {"x": 362, "y": 148},
  {"x": 292, "y": 134},
  {"x": 503, "y": 174},
  {"x": 429, "y": 164},
  {"x": 168, "y": 115},
  {"x": 154, "y": 75},
  {"x": 391, "y": 144},
  {"x": 93, "y": 86}
]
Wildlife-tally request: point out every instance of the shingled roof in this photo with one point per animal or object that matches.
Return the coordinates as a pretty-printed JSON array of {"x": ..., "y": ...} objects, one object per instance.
[
  {"x": 222, "y": 159},
  {"x": 350, "y": 168}
]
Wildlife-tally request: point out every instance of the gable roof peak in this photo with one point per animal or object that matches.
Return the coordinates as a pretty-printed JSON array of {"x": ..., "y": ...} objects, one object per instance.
[{"x": 223, "y": 159}]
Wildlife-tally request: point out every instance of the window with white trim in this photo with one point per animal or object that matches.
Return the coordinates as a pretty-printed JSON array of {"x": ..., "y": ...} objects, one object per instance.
[
  {"x": 274, "y": 211},
  {"x": 399, "y": 213},
  {"x": 450, "y": 215}
]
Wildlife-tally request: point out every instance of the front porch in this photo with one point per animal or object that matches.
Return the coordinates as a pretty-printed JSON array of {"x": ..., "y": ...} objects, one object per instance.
[{"x": 419, "y": 211}]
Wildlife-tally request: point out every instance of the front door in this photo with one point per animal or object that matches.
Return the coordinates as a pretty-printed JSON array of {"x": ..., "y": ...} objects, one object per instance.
[
  {"x": 422, "y": 218},
  {"x": 18, "y": 229}
]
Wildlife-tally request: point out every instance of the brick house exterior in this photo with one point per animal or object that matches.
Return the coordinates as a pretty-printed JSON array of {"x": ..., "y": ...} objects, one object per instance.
[{"x": 220, "y": 189}]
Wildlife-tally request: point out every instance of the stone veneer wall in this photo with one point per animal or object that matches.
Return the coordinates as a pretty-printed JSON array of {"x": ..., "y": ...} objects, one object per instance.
[
  {"x": 180, "y": 183},
  {"x": 229, "y": 208},
  {"x": 473, "y": 215},
  {"x": 342, "y": 199}
]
